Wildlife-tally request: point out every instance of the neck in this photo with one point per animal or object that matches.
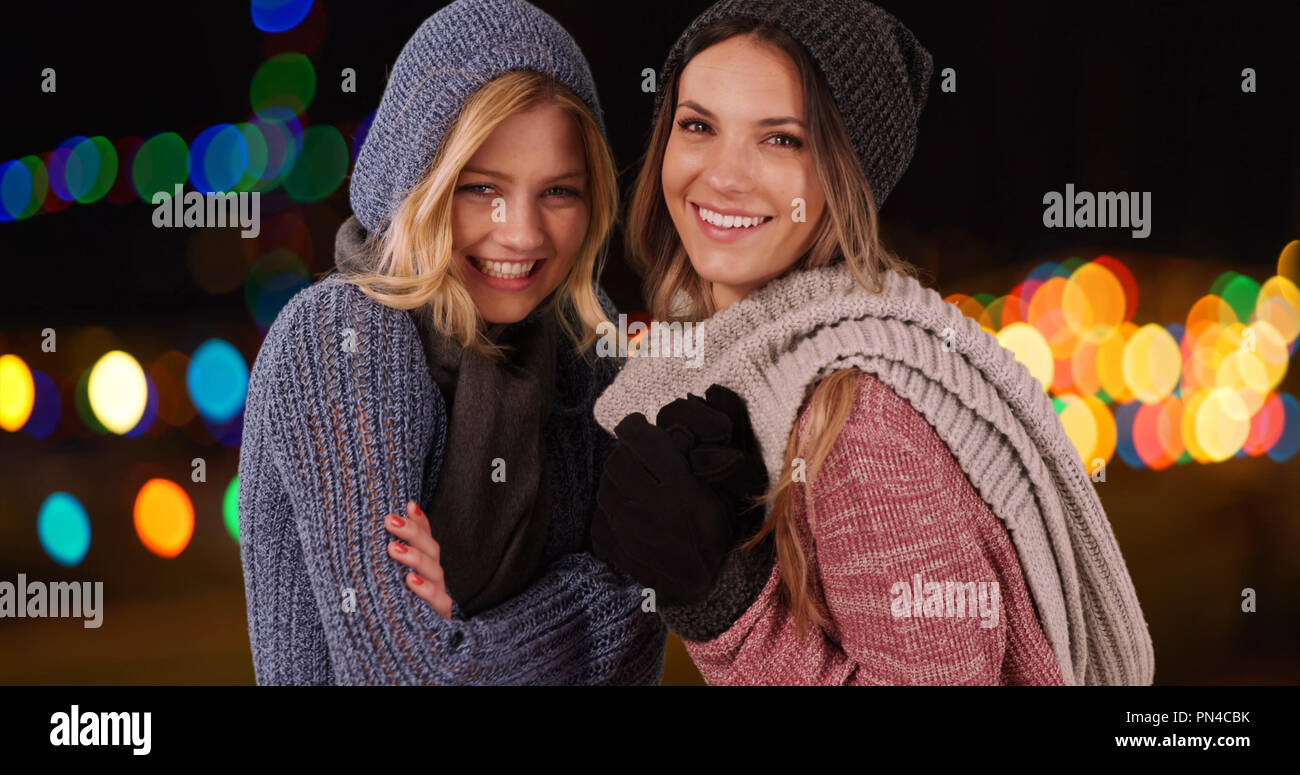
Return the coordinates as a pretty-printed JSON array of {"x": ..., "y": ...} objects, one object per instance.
[{"x": 726, "y": 295}]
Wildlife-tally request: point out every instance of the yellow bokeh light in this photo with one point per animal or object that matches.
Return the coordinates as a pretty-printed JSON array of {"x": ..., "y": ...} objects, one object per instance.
[
  {"x": 1152, "y": 363},
  {"x": 1080, "y": 426},
  {"x": 1243, "y": 372},
  {"x": 1030, "y": 348},
  {"x": 117, "y": 391},
  {"x": 1093, "y": 302},
  {"x": 1110, "y": 362},
  {"x": 1221, "y": 424},
  {"x": 164, "y": 517},
  {"x": 17, "y": 392},
  {"x": 1279, "y": 304},
  {"x": 1265, "y": 340},
  {"x": 1288, "y": 261}
]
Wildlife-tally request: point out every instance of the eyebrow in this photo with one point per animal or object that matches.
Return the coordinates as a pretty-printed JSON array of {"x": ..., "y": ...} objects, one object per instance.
[
  {"x": 774, "y": 121},
  {"x": 510, "y": 178}
]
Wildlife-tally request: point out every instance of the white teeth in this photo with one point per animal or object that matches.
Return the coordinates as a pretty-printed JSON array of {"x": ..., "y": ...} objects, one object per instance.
[
  {"x": 730, "y": 221},
  {"x": 506, "y": 270}
]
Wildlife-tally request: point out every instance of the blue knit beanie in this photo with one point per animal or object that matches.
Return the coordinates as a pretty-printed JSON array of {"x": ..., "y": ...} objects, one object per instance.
[{"x": 453, "y": 54}]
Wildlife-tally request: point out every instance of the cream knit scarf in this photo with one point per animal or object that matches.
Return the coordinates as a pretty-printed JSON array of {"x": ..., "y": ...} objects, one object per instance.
[{"x": 773, "y": 345}]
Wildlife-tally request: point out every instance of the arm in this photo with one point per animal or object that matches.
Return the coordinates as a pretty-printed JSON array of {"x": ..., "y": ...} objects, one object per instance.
[
  {"x": 349, "y": 433},
  {"x": 883, "y": 507}
]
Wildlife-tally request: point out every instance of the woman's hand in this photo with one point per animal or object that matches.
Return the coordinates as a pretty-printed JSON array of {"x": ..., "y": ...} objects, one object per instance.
[
  {"x": 674, "y": 495},
  {"x": 420, "y": 553}
]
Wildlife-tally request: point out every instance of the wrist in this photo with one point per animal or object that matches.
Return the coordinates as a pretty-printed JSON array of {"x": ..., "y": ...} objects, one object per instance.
[{"x": 740, "y": 580}]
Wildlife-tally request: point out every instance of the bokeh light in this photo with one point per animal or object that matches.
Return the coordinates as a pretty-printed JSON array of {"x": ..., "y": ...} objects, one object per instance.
[
  {"x": 284, "y": 81},
  {"x": 17, "y": 392},
  {"x": 164, "y": 517},
  {"x": 117, "y": 391},
  {"x": 1202, "y": 389},
  {"x": 230, "y": 508},
  {"x": 161, "y": 163},
  {"x": 217, "y": 380},
  {"x": 63, "y": 529},
  {"x": 278, "y": 15},
  {"x": 218, "y": 159},
  {"x": 320, "y": 167}
]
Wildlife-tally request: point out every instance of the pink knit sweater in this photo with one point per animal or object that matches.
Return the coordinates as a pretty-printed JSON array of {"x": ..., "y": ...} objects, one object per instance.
[{"x": 890, "y": 502}]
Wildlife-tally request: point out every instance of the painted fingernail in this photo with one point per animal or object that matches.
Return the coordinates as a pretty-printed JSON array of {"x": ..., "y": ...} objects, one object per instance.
[
  {"x": 397, "y": 547},
  {"x": 396, "y": 520},
  {"x": 415, "y": 579}
]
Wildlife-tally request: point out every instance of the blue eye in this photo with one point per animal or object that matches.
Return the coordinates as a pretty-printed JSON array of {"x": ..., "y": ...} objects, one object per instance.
[
  {"x": 481, "y": 189},
  {"x": 563, "y": 192}
]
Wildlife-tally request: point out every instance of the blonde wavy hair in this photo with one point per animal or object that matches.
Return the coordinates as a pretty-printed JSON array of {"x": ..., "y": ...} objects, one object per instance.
[
  {"x": 847, "y": 231},
  {"x": 415, "y": 269}
]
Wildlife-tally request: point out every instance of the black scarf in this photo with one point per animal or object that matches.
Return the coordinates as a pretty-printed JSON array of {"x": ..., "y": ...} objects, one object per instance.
[{"x": 490, "y": 511}]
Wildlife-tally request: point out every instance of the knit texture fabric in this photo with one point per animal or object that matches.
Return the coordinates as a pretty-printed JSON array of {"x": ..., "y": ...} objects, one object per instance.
[
  {"x": 334, "y": 440},
  {"x": 771, "y": 346},
  {"x": 877, "y": 71},
  {"x": 889, "y": 507},
  {"x": 453, "y": 53},
  {"x": 490, "y": 529}
]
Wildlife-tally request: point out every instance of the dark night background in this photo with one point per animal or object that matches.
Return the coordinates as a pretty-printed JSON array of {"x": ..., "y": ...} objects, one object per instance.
[{"x": 1107, "y": 96}]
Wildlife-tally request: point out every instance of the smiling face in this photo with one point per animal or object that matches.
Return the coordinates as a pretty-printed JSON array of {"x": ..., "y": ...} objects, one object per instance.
[
  {"x": 520, "y": 212},
  {"x": 736, "y": 160}
]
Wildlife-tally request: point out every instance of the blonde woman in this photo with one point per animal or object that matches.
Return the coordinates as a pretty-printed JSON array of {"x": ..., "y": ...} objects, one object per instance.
[
  {"x": 416, "y": 478},
  {"x": 907, "y": 507}
]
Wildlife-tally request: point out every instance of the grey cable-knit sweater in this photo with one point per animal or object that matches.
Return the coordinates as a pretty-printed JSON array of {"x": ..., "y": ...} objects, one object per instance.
[{"x": 343, "y": 425}]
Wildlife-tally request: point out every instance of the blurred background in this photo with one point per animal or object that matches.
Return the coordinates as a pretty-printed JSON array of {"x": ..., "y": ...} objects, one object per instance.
[{"x": 1169, "y": 358}]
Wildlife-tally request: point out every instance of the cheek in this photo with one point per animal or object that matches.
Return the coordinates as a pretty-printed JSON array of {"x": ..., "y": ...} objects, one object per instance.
[
  {"x": 467, "y": 225},
  {"x": 803, "y": 183},
  {"x": 676, "y": 172},
  {"x": 567, "y": 228}
]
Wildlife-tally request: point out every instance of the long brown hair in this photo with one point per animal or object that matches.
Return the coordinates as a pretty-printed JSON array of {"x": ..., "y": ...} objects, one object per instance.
[{"x": 847, "y": 231}]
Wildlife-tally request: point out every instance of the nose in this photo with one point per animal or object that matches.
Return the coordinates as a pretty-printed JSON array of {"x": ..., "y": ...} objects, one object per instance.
[
  {"x": 730, "y": 167},
  {"x": 522, "y": 229}
]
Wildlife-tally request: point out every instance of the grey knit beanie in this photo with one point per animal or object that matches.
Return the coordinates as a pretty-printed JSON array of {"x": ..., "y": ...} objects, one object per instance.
[
  {"x": 877, "y": 71},
  {"x": 452, "y": 54}
]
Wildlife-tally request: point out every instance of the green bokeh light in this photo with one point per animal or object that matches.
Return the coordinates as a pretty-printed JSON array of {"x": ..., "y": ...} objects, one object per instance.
[
  {"x": 321, "y": 166},
  {"x": 284, "y": 80},
  {"x": 107, "y": 170},
  {"x": 40, "y": 185},
  {"x": 230, "y": 508},
  {"x": 162, "y": 162},
  {"x": 257, "y": 157}
]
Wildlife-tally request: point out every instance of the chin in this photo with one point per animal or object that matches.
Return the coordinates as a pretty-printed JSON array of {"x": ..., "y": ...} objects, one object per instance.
[
  {"x": 723, "y": 269},
  {"x": 506, "y": 315}
]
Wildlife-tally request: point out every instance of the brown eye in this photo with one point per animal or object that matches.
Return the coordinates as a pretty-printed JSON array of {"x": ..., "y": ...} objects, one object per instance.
[{"x": 786, "y": 141}]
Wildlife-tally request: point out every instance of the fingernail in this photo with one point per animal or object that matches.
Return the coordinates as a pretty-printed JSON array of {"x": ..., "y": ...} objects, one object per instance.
[
  {"x": 396, "y": 520},
  {"x": 415, "y": 579},
  {"x": 397, "y": 547}
]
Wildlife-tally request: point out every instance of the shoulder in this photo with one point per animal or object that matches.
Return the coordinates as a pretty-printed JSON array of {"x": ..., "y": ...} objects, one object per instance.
[
  {"x": 889, "y": 459},
  {"x": 331, "y": 337},
  {"x": 334, "y": 305},
  {"x": 333, "y": 318},
  {"x": 877, "y": 416}
]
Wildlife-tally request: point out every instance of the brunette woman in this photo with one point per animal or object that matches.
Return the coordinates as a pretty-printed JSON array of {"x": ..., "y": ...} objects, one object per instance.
[{"x": 908, "y": 507}]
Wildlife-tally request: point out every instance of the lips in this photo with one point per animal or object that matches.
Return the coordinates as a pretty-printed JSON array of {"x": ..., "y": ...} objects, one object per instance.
[
  {"x": 728, "y": 225},
  {"x": 506, "y": 274}
]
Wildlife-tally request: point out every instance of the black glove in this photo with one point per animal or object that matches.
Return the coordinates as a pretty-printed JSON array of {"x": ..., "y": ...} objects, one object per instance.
[
  {"x": 671, "y": 498},
  {"x": 721, "y": 447}
]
